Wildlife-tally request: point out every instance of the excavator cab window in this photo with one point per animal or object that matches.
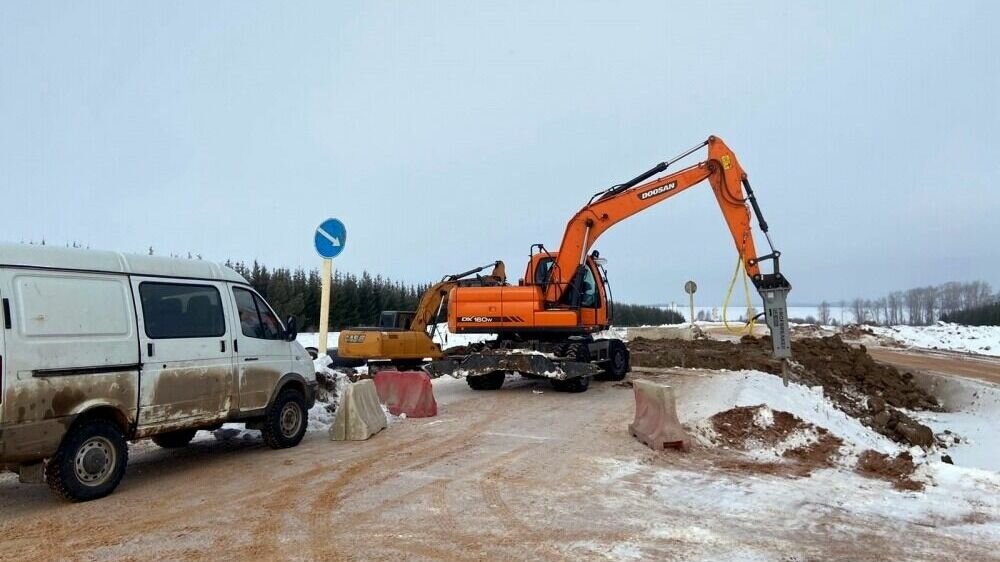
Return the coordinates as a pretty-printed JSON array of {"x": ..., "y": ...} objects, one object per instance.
[
  {"x": 589, "y": 298},
  {"x": 543, "y": 271},
  {"x": 588, "y": 291},
  {"x": 393, "y": 320}
]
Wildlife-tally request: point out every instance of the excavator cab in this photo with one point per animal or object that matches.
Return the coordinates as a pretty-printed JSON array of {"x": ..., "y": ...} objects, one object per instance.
[
  {"x": 396, "y": 320},
  {"x": 587, "y": 292}
]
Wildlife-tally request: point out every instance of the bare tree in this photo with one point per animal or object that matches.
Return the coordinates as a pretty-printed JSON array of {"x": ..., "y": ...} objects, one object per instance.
[
  {"x": 895, "y": 303},
  {"x": 914, "y": 312},
  {"x": 858, "y": 309},
  {"x": 883, "y": 305},
  {"x": 872, "y": 311},
  {"x": 929, "y": 295},
  {"x": 824, "y": 313}
]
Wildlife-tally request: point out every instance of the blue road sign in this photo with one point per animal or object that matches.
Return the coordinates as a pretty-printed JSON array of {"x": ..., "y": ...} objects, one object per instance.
[{"x": 331, "y": 236}]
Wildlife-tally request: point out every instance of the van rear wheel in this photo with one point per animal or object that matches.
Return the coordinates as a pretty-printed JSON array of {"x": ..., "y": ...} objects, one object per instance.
[
  {"x": 175, "y": 439},
  {"x": 286, "y": 420},
  {"x": 90, "y": 461}
]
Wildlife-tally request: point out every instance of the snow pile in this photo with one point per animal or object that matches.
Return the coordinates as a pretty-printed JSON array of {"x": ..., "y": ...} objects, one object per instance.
[
  {"x": 764, "y": 434},
  {"x": 705, "y": 396},
  {"x": 984, "y": 340}
]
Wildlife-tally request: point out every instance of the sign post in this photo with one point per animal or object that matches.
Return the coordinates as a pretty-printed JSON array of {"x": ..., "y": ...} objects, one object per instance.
[
  {"x": 690, "y": 287},
  {"x": 330, "y": 239}
]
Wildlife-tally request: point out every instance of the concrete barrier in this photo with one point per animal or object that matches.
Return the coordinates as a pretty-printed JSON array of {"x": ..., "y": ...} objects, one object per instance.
[
  {"x": 359, "y": 415},
  {"x": 406, "y": 392},
  {"x": 656, "y": 424}
]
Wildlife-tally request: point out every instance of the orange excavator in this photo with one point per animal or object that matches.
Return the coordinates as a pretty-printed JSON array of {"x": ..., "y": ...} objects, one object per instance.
[{"x": 545, "y": 326}]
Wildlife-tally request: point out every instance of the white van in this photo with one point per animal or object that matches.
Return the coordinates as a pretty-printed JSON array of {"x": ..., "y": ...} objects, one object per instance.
[{"x": 98, "y": 348}]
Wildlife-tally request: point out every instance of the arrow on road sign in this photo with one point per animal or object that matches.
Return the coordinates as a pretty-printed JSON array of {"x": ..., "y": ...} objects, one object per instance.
[{"x": 333, "y": 239}]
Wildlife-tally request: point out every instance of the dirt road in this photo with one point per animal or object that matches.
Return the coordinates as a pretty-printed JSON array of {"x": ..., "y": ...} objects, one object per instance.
[
  {"x": 941, "y": 362},
  {"x": 520, "y": 474}
]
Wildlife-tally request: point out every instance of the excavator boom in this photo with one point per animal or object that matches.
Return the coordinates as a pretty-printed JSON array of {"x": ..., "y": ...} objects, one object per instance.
[{"x": 621, "y": 202}]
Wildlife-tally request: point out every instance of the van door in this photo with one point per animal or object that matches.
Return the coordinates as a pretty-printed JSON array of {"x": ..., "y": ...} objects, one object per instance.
[
  {"x": 262, "y": 354},
  {"x": 187, "y": 372}
]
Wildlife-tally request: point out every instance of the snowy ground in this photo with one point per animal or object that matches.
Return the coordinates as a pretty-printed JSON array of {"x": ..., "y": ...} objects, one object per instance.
[
  {"x": 973, "y": 414},
  {"x": 982, "y": 340},
  {"x": 962, "y": 500}
]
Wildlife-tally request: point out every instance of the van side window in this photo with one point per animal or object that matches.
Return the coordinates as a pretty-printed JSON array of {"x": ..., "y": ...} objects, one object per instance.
[
  {"x": 173, "y": 310},
  {"x": 256, "y": 319}
]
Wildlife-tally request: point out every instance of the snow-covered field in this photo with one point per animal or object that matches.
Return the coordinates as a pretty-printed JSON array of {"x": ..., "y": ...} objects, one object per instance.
[{"x": 984, "y": 340}]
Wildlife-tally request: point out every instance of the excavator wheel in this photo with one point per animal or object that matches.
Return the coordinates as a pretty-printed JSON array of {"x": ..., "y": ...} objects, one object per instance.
[
  {"x": 489, "y": 381},
  {"x": 579, "y": 352},
  {"x": 618, "y": 362},
  {"x": 576, "y": 384}
]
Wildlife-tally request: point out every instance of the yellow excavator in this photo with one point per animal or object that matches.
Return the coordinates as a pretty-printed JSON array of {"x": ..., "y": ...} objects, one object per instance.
[{"x": 405, "y": 339}]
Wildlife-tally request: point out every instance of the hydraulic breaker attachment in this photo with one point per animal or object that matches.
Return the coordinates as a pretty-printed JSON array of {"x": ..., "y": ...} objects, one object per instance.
[{"x": 774, "y": 290}]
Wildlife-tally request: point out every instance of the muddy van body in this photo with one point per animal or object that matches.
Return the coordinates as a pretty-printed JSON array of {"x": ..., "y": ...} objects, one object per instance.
[{"x": 99, "y": 348}]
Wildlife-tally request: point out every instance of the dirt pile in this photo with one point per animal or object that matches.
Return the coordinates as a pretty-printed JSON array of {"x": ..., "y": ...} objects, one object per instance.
[
  {"x": 898, "y": 469},
  {"x": 779, "y": 442},
  {"x": 856, "y": 383}
]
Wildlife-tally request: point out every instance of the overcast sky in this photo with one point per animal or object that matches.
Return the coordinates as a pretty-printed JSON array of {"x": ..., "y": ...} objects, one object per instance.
[{"x": 447, "y": 135}]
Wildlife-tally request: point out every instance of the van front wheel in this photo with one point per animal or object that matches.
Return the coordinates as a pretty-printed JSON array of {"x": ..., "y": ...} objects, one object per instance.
[
  {"x": 286, "y": 420},
  {"x": 90, "y": 461}
]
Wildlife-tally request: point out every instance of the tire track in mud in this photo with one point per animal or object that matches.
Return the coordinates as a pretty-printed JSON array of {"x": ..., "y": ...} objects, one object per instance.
[
  {"x": 52, "y": 538},
  {"x": 267, "y": 528},
  {"x": 436, "y": 490},
  {"x": 280, "y": 501},
  {"x": 323, "y": 540}
]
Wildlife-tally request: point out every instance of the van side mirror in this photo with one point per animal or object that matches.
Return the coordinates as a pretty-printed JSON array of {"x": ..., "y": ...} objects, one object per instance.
[{"x": 291, "y": 329}]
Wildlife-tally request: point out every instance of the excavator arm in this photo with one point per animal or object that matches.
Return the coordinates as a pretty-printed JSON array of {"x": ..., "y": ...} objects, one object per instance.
[
  {"x": 430, "y": 302},
  {"x": 728, "y": 181}
]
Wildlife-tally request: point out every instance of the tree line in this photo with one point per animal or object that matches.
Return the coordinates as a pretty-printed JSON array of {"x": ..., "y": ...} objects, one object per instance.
[
  {"x": 357, "y": 300},
  {"x": 918, "y": 306},
  {"x": 986, "y": 315}
]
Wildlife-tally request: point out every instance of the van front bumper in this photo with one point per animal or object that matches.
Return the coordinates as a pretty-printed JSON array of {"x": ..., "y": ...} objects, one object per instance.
[
  {"x": 33, "y": 441},
  {"x": 311, "y": 394}
]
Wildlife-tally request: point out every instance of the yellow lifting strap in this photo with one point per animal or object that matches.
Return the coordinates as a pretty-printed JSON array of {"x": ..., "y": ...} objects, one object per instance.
[{"x": 751, "y": 321}]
